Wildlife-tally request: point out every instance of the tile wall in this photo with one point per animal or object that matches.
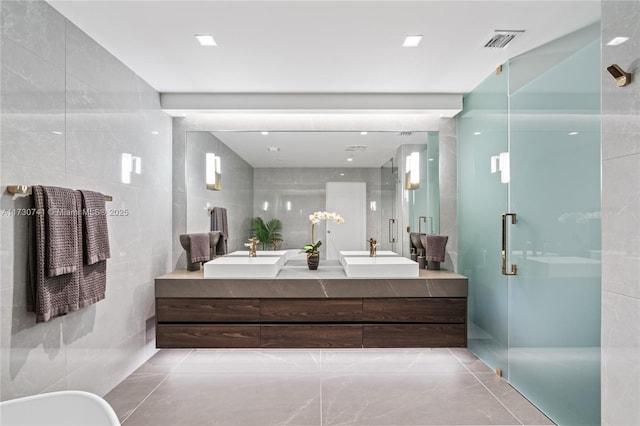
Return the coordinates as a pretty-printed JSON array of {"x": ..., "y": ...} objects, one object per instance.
[
  {"x": 236, "y": 193},
  {"x": 621, "y": 217},
  {"x": 69, "y": 111},
  {"x": 292, "y": 194}
]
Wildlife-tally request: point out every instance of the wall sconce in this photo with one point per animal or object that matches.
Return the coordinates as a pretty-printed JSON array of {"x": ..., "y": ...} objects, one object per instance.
[
  {"x": 501, "y": 163},
  {"x": 213, "y": 175},
  {"x": 130, "y": 164},
  {"x": 412, "y": 171}
]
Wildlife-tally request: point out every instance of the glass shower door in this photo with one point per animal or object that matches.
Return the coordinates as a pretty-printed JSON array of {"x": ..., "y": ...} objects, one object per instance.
[
  {"x": 554, "y": 299},
  {"x": 482, "y": 199}
]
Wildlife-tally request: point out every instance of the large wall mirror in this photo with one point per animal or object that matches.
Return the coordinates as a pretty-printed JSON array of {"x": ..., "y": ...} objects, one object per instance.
[{"x": 284, "y": 175}]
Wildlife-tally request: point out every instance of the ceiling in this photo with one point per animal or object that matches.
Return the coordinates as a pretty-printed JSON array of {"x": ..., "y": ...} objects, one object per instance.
[
  {"x": 312, "y": 49},
  {"x": 318, "y": 149},
  {"x": 320, "y": 46}
]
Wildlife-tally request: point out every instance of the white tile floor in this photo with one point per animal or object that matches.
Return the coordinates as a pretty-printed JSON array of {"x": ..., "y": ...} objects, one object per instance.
[{"x": 319, "y": 387}]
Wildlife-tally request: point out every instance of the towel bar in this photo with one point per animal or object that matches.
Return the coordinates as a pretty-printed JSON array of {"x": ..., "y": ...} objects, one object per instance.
[{"x": 26, "y": 190}]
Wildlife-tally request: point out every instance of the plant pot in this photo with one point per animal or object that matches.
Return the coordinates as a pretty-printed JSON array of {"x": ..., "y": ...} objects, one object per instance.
[{"x": 313, "y": 260}]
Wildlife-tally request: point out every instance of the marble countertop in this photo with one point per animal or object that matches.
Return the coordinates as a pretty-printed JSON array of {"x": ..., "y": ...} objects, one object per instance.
[{"x": 295, "y": 280}]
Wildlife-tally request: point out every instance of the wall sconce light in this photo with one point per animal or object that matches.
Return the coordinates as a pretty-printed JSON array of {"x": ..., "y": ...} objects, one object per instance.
[
  {"x": 130, "y": 164},
  {"x": 501, "y": 163},
  {"x": 213, "y": 175},
  {"x": 621, "y": 76},
  {"x": 412, "y": 171}
]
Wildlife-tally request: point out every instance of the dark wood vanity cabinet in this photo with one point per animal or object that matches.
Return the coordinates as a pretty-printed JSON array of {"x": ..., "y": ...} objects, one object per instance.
[{"x": 311, "y": 322}]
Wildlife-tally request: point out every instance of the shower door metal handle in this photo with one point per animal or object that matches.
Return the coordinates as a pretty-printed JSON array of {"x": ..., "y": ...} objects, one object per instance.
[
  {"x": 392, "y": 237},
  {"x": 504, "y": 244}
]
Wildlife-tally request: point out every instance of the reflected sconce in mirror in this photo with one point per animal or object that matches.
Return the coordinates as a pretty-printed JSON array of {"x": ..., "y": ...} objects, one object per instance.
[
  {"x": 213, "y": 175},
  {"x": 130, "y": 164},
  {"x": 622, "y": 78},
  {"x": 502, "y": 163},
  {"x": 412, "y": 171}
]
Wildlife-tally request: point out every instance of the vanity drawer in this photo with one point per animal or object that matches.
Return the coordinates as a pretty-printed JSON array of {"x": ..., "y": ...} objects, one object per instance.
[
  {"x": 311, "y": 336},
  {"x": 207, "y": 336},
  {"x": 419, "y": 310},
  {"x": 310, "y": 310},
  {"x": 197, "y": 310},
  {"x": 414, "y": 336}
]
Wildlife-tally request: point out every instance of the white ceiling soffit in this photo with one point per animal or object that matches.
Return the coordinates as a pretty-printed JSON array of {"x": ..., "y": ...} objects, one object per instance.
[
  {"x": 320, "y": 46},
  {"x": 441, "y": 105}
]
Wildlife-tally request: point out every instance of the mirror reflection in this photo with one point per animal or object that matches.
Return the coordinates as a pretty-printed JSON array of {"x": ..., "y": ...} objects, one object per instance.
[{"x": 283, "y": 177}]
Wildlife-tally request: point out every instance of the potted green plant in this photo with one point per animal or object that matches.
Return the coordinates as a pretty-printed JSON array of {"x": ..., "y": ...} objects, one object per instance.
[{"x": 266, "y": 232}]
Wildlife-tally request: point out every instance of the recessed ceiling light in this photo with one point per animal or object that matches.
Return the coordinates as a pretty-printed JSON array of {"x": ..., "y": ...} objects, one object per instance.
[
  {"x": 55, "y": 132},
  {"x": 412, "y": 41},
  {"x": 363, "y": 133},
  {"x": 155, "y": 132},
  {"x": 341, "y": 174},
  {"x": 206, "y": 40},
  {"x": 349, "y": 158},
  {"x": 573, "y": 133},
  {"x": 265, "y": 133},
  {"x": 617, "y": 40},
  {"x": 477, "y": 133},
  {"x": 273, "y": 149}
]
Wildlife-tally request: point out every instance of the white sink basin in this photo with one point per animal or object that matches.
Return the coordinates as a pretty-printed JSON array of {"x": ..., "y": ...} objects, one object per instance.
[
  {"x": 282, "y": 254},
  {"x": 243, "y": 267},
  {"x": 380, "y": 267},
  {"x": 364, "y": 253}
]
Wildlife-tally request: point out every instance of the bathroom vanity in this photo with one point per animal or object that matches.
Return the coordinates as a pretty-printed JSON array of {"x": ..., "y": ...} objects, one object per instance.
[{"x": 311, "y": 309}]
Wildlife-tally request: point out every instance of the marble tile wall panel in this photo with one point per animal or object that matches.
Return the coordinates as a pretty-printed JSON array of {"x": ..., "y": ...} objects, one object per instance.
[
  {"x": 620, "y": 218},
  {"x": 236, "y": 194},
  {"x": 305, "y": 190},
  {"x": 69, "y": 110},
  {"x": 449, "y": 189}
]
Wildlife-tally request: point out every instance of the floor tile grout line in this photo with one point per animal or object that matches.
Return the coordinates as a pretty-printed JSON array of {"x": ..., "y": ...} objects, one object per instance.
[
  {"x": 155, "y": 388},
  {"x": 145, "y": 398},
  {"x": 485, "y": 386}
]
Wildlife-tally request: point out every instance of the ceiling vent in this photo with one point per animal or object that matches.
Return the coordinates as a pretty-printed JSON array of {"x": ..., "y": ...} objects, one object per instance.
[
  {"x": 405, "y": 133},
  {"x": 501, "y": 38},
  {"x": 357, "y": 148}
]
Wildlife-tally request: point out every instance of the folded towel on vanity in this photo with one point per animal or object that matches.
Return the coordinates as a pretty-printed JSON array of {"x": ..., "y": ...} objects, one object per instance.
[
  {"x": 49, "y": 296},
  {"x": 436, "y": 247},
  {"x": 61, "y": 230},
  {"x": 219, "y": 223},
  {"x": 95, "y": 231},
  {"x": 199, "y": 248}
]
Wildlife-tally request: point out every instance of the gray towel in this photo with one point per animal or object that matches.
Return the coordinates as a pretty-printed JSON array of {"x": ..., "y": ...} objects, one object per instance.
[
  {"x": 95, "y": 231},
  {"x": 48, "y": 297},
  {"x": 436, "y": 247},
  {"x": 61, "y": 230},
  {"x": 92, "y": 277},
  {"x": 219, "y": 223},
  {"x": 199, "y": 247}
]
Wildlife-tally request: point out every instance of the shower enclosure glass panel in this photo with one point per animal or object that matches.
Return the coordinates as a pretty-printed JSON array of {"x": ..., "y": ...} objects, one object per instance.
[
  {"x": 529, "y": 145},
  {"x": 389, "y": 225},
  {"x": 554, "y": 300}
]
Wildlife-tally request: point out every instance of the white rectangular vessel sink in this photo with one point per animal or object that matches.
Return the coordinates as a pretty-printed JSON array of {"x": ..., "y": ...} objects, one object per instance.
[
  {"x": 380, "y": 267},
  {"x": 282, "y": 254},
  {"x": 364, "y": 253},
  {"x": 243, "y": 267}
]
